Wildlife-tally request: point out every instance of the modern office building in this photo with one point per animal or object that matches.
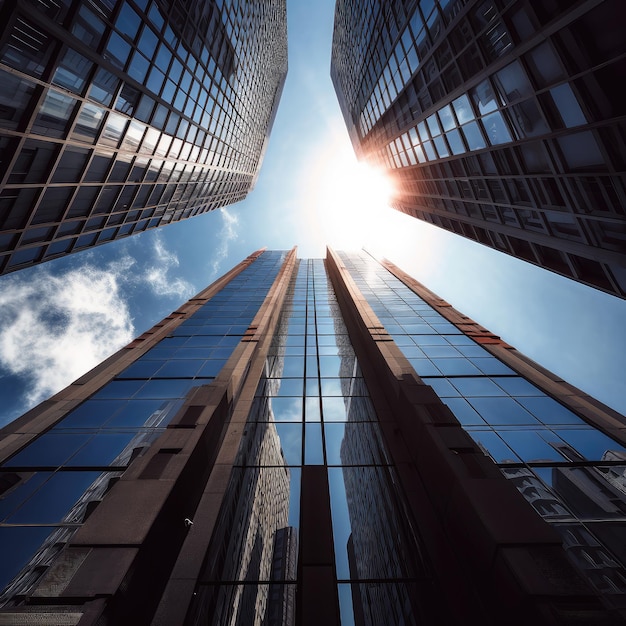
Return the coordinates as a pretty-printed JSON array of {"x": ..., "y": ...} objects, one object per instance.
[
  {"x": 314, "y": 442},
  {"x": 498, "y": 120},
  {"x": 121, "y": 115}
]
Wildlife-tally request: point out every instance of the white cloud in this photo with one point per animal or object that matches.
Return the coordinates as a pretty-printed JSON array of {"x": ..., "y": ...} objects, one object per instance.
[
  {"x": 230, "y": 230},
  {"x": 158, "y": 275},
  {"x": 55, "y": 328}
]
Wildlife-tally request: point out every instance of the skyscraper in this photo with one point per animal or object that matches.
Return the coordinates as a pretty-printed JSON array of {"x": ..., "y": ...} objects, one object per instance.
[
  {"x": 499, "y": 121},
  {"x": 119, "y": 116},
  {"x": 314, "y": 442}
]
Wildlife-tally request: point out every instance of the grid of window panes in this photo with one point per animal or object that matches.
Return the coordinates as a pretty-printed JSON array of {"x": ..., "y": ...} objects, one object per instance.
[
  {"x": 47, "y": 488},
  {"x": 491, "y": 130},
  {"x": 363, "y": 36},
  {"x": 118, "y": 116},
  {"x": 571, "y": 473},
  {"x": 312, "y": 407}
]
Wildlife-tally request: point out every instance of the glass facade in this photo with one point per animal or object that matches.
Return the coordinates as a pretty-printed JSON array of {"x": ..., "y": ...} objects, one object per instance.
[
  {"x": 491, "y": 126},
  {"x": 120, "y": 116},
  {"x": 314, "y": 484},
  {"x": 573, "y": 475},
  {"x": 312, "y": 409},
  {"x": 48, "y": 488}
]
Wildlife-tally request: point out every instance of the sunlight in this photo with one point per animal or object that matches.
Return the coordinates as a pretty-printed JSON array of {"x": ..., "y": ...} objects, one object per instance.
[{"x": 347, "y": 200}]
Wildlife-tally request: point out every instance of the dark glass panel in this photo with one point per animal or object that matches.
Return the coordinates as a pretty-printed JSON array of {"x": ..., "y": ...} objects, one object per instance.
[
  {"x": 19, "y": 544},
  {"x": 102, "y": 450},
  {"x": 49, "y": 450},
  {"x": 54, "y": 500}
]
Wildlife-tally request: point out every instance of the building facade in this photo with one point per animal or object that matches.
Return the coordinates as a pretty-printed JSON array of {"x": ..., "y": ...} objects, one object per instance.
[
  {"x": 498, "y": 120},
  {"x": 121, "y": 115},
  {"x": 314, "y": 441}
]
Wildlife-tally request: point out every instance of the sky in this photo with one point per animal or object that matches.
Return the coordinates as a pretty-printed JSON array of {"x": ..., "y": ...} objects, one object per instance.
[{"x": 61, "y": 318}]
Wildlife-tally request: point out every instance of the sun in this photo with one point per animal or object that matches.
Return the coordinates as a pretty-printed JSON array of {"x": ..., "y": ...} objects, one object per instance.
[{"x": 347, "y": 199}]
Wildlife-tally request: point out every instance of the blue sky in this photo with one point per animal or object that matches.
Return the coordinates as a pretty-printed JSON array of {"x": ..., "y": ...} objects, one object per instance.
[{"x": 53, "y": 317}]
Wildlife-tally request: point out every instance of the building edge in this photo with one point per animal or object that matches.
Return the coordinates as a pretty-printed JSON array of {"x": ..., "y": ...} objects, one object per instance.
[
  {"x": 113, "y": 572},
  {"x": 502, "y": 562}
]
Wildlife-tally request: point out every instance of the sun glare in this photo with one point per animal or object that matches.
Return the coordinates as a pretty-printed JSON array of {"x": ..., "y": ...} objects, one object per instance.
[{"x": 347, "y": 199}]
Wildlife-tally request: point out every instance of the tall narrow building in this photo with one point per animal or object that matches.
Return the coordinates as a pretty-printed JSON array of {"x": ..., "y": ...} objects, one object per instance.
[
  {"x": 501, "y": 121},
  {"x": 117, "y": 116},
  {"x": 314, "y": 442}
]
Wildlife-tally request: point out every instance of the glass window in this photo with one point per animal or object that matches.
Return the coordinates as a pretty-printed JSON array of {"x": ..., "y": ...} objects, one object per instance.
[
  {"x": 52, "y": 205},
  {"x": 442, "y": 387},
  {"x": 293, "y": 367},
  {"x": 103, "y": 87},
  {"x": 71, "y": 165},
  {"x": 502, "y": 411},
  {"x": 455, "y": 142},
  {"x": 491, "y": 366},
  {"x": 494, "y": 446},
  {"x": 210, "y": 368},
  {"x": 549, "y": 411},
  {"x": 89, "y": 122},
  {"x": 155, "y": 80},
  {"x": 313, "y": 450},
  {"x": 119, "y": 389},
  {"x": 163, "y": 58},
  {"x": 26, "y": 485},
  {"x": 512, "y": 82},
  {"x": 530, "y": 446},
  {"x": 26, "y": 48},
  {"x": 455, "y": 367},
  {"x": 127, "y": 100},
  {"x": 88, "y": 27},
  {"x": 581, "y": 150},
  {"x": 148, "y": 41},
  {"x": 90, "y": 414},
  {"x": 567, "y": 105},
  {"x": 424, "y": 367},
  {"x": 463, "y": 109},
  {"x": 433, "y": 125},
  {"x": 590, "y": 443},
  {"x": 114, "y": 129},
  {"x": 483, "y": 97},
  {"x": 139, "y": 67},
  {"x": 516, "y": 386},
  {"x": 172, "y": 388},
  {"x": 180, "y": 368},
  {"x": 73, "y": 71},
  {"x": 442, "y": 148},
  {"x": 51, "y": 449},
  {"x": 291, "y": 442},
  {"x": 527, "y": 119},
  {"x": 52, "y": 502},
  {"x": 475, "y": 387},
  {"x": 144, "y": 413},
  {"x": 462, "y": 410},
  {"x": 14, "y": 97},
  {"x": 495, "y": 129},
  {"x": 545, "y": 65},
  {"x": 28, "y": 255},
  {"x": 141, "y": 369},
  {"x": 54, "y": 114},
  {"x": 446, "y": 118},
  {"x": 473, "y": 136},
  {"x": 19, "y": 544},
  {"x": 102, "y": 451},
  {"x": 117, "y": 50},
  {"x": 128, "y": 21}
]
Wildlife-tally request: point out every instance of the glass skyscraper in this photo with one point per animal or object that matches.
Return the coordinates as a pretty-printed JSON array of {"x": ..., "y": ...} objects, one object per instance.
[
  {"x": 314, "y": 441},
  {"x": 498, "y": 120},
  {"x": 117, "y": 116}
]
